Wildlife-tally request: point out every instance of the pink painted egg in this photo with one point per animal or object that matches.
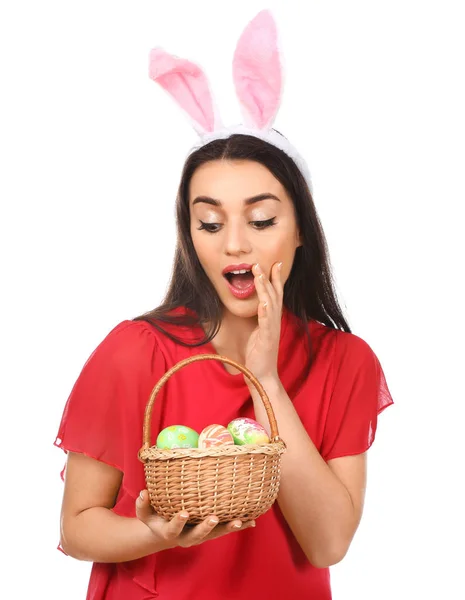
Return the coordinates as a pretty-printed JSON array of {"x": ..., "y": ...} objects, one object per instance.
[
  {"x": 248, "y": 431},
  {"x": 214, "y": 435}
]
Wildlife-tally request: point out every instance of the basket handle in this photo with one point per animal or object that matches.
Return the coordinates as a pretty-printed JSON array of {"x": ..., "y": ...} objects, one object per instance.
[{"x": 266, "y": 402}]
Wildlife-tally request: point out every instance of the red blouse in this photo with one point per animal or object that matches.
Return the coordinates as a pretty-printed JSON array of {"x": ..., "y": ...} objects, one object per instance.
[{"x": 338, "y": 404}]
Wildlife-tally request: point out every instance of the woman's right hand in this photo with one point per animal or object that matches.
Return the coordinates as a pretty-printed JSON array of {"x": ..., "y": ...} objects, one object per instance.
[{"x": 175, "y": 533}]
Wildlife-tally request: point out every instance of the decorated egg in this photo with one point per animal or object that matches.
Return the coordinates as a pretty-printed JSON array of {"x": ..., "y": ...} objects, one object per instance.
[
  {"x": 248, "y": 431},
  {"x": 215, "y": 435},
  {"x": 177, "y": 436}
]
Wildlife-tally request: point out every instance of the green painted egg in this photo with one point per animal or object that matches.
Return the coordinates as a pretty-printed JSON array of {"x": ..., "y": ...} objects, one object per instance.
[{"x": 177, "y": 436}]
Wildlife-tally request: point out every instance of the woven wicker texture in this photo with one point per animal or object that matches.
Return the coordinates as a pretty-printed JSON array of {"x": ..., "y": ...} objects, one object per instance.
[{"x": 231, "y": 482}]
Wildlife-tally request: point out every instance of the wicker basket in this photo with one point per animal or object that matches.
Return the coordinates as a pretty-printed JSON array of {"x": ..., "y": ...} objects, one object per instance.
[{"x": 229, "y": 481}]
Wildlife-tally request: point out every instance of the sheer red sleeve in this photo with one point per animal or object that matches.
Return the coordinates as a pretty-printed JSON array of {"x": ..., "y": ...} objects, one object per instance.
[
  {"x": 360, "y": 393},
  {"x": 102, "y": 417}
]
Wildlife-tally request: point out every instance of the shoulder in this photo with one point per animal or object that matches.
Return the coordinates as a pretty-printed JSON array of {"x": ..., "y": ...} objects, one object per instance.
[
  {"x": 341, "y": 346},
  {"x": 350, "y": 342},
  {"x": 129, "y": 331},
  {"x": 353, "y": 353},
  {"x": 127, "y": 343}
]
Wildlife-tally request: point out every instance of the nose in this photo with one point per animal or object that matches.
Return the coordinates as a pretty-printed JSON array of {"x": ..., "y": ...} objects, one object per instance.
[{"x": 236, "y": 240}]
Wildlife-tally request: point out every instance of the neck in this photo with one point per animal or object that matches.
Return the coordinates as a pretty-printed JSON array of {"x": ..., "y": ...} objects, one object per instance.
[{"x": 234, "y": 333}]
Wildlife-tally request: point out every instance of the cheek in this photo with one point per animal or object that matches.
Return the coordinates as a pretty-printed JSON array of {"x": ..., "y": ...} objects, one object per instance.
[
  {"x": 278, "y": 248},
  {"x": 203, "y": 250},
  {"x": 284, "y": 250}
]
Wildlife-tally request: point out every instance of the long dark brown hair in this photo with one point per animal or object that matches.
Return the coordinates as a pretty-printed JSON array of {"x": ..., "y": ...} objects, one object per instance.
[{"x": 309, "y": 291}]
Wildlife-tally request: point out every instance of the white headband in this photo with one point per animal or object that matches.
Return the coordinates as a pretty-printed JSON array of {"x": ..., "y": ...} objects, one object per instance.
[{"x": 257, "y": 75}]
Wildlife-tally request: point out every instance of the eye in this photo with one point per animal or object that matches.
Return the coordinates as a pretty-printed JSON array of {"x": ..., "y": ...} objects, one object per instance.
[
  {"x": 264, "y": 224},
  {"x": 210, "y": 227}
]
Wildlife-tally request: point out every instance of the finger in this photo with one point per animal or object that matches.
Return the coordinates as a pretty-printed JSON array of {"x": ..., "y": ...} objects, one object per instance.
[
  {"x": 263, "y": 297},
  {"x": 276, "y": 274},
  {"x": 263, "y": 313},
  {"x": 175, "y": 527},
  {"x": 264, "y": 285},
  {"x": 144, "y": 510},
  {"x": 227, "y": 528},
  {"x": 238, "y": 526},
  {"x": 198, "y": 533},
  {"x": 266, "y": 309}
]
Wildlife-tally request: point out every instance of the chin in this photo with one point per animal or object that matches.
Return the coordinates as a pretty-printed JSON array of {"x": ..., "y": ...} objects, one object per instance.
[{"x": 241, "y": 308}]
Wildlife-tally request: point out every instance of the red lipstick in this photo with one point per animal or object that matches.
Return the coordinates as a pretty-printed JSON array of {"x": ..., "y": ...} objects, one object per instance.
[{"x": 243, "y": 292}]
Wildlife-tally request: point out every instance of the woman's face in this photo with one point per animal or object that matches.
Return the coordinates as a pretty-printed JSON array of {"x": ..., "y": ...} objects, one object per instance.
[{"x": 237, "y": 232}]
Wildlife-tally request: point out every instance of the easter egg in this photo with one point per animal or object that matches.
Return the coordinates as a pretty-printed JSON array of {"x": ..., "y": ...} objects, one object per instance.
[
  {"x": 177, "y": 436},
  {"x": 215, "y": 435},
  {"x": 248, "y": 431}
]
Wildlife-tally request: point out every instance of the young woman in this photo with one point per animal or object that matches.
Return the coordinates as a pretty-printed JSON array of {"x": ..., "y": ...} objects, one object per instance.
[{"x": 243, "y": 205}]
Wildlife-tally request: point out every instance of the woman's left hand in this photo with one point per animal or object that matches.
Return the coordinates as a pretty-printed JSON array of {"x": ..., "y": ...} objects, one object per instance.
[{"x": 261, "y": 355}]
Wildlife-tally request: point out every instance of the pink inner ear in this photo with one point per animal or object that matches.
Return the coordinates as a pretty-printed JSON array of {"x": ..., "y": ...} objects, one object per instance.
[
  {"x": 257, "y": 71},
  {"x": 187, "y": 84}
]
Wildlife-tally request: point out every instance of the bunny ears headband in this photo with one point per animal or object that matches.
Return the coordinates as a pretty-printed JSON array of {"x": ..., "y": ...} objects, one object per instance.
[{"x": 257, "y": 75}]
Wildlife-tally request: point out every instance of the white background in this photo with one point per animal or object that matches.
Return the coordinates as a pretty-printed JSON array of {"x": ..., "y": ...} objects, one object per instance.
[{"x": 91, "y": 154}]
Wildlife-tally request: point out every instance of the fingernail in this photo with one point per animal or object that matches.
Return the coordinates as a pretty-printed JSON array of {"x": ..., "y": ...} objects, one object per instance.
[
  {"x": 213, "y": 521},
  {"x": 237, "y": 525},
  {"x": 258, "y": 268},
  {"x": 280, "y": 265},
  {"x": 184, "y": 515},
  {"x": 141, "y": 496}
]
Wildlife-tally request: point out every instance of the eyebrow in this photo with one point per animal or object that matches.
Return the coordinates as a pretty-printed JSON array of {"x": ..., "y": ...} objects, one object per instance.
[{"x": 247, "y": 201}]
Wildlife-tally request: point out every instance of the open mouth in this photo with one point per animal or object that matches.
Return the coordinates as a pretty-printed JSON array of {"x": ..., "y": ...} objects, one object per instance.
[
  {"x": 240, "y": 281},
  {"x": 241, "y": 284}
]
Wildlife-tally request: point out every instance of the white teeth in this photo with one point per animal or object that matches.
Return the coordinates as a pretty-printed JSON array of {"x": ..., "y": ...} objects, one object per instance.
[{"x": 240, "y": 272}]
